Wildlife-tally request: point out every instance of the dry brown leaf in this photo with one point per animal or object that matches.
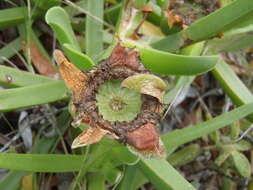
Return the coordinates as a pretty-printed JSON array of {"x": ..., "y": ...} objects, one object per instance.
[{"x": 41, "y": 63}]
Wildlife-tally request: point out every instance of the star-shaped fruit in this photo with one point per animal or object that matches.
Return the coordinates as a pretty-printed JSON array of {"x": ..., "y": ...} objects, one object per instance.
[{"x": 118, "y": 98}]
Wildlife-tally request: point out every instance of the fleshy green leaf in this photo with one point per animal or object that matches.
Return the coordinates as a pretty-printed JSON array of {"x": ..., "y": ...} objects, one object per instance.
[
  {"x": 58, "y": 19},
  {"x": 40, "y": 162},
  {"x": 163, "y": 176},
  {"x": 81, "y": 60},
  {"x": 171, "y": 64},
  {"x": 32, "y": 95},
  {"x": 14, "y": 77}
]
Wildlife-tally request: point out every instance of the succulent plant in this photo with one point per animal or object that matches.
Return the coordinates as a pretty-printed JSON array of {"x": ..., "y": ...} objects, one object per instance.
[{"x": 118, "y": 98}]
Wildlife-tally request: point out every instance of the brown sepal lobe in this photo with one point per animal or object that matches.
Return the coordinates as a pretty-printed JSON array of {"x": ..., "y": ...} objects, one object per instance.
[
  {"x": 74, "y": 78},
  {"x": 145, "y": 140},
  {"x": 89, "y": 136},
  {"x": 123, "y": 56}
]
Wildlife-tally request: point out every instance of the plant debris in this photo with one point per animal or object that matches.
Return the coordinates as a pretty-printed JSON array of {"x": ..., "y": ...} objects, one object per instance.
[{"x": 184, "y": 13}]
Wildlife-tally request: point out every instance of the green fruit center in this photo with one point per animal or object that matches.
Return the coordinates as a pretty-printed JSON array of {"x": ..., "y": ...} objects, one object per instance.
[{"x": 116, "y": 103}]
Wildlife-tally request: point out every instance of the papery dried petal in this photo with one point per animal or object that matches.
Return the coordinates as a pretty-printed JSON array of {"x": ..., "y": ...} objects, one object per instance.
[
  {"x": 73, "y": 77},
  {"x": 89, "y": 136},
  {"x": 123, "y": 56}
]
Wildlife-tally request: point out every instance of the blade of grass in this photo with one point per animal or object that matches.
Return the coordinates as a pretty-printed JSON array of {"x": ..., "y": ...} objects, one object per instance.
[
  {"x": 24, "y": 30},
  {"x": 233, "y": 86},
  {"x": 156, "y": 15},
  {"x": 10, "y": 49},
  {"x": 40, "y": 162},
  {"x": 72, "y": 11},
  {"x": 163, "y": 176},
  {"x": 36, "y": 40},
  {"x": 179, "y": 137},
  {"x": 94, "y": 29},
  {"x": 13, "y": 16},
  {"x": 32, "y": 95},
  {"x": 13, "y": 77},
  {"x": 110, "y": 14},
  {"x": 122, "y": 154}
]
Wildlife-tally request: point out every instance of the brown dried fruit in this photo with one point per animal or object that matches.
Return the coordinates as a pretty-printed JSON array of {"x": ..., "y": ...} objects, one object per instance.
[{"x": 123, "y": 63}]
